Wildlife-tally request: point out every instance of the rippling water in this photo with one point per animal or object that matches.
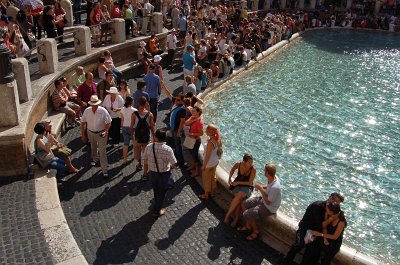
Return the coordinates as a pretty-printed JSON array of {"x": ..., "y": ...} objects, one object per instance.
[{"x": 326, "y": 111}]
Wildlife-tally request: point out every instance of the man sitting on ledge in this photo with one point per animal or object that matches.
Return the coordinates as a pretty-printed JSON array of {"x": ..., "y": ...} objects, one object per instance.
[
  {"x": 265, "y": 205},
  {"x": 61, "y": 103}
]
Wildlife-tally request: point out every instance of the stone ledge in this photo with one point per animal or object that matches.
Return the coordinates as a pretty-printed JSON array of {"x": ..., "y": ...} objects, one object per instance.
[{"x": 58, "y": 236}]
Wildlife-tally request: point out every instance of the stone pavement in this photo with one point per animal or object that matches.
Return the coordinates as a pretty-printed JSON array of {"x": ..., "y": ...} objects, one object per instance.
[
  {"x": 21, "y": 237},
  {"x": 111, "y": 223}
]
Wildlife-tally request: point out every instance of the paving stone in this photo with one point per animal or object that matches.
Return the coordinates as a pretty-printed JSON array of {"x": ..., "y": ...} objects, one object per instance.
[
  {"x": 19, "y": 224},
  {"x": 111, "y": 222}
]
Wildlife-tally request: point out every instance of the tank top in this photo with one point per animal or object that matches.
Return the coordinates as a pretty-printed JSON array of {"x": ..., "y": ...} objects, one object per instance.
[
  {"x": 242, "y": 177},
  {"x": 97, "y": 16},
  {"x": 214, "y": 159}
]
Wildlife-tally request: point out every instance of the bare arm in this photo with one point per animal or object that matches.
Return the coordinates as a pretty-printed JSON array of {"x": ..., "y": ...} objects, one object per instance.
[
  {"x": 233, "y": 169},
  {"x": 152, "y": 124},
  {"x": 338, "y": 232}
]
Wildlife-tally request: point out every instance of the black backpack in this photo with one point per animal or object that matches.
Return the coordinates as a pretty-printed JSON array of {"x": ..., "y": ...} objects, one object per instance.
[{"x": 142, "y": 130}]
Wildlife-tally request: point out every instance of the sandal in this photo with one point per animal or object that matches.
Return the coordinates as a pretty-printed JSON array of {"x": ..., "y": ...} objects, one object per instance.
[{"x": 252, "y": 236}]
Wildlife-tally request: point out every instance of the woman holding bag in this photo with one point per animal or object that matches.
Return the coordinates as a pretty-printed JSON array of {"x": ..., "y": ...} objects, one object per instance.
[
  {"x": 193, "y": 141},
  {"x": 43, "y": 152}
]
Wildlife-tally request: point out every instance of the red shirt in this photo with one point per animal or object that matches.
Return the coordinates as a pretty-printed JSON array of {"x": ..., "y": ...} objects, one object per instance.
[{"x": 85, "y": 91}]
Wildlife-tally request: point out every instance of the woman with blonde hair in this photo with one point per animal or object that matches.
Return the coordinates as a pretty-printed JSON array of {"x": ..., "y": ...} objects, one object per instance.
[{"x": 212, "y": 155}]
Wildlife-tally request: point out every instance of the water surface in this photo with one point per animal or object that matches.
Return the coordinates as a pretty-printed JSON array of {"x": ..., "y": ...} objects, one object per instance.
[{"x": 326, "y": 111}]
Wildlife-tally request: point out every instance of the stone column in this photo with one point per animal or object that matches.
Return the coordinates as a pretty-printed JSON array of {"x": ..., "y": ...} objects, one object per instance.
[
  {"x": 348, "y": 4},
  {"x": 69, "y": 15},
  {"x": 283, "y": 4},
  {"x": 82, "y": 40},
  {"x": 118, "y": 30},
  {"x": 9, "y": 102},
  {"x": 21, "y": 74},
  {"x": 301, "y": 4},
  {"x": 312, "y": 4},
  {"x": 267, "y": 5},
  {"x": 377, "y": 6},
  {"x": 254, "y": 5},
  {"x": 156, "y": 23},
  {"x": 47, "y": 55}
]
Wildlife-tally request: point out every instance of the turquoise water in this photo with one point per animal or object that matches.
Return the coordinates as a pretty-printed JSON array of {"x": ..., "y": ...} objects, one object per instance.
[{"x": 326, "y": 111}]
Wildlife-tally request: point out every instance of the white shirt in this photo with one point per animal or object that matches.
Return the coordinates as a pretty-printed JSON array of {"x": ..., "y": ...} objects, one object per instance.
[
  {"x": 127, "y": 113},
  {"x": 96, "y": 121},
  {"x": 171, "y": 41},
  {"x": 164, "y": 154},
  {"x": 118, "y": 103},
  {"x": 274, "y": 194}
]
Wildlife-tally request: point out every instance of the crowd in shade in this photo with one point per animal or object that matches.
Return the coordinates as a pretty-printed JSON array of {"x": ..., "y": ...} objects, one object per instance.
[{"x": 216, "y": 38}]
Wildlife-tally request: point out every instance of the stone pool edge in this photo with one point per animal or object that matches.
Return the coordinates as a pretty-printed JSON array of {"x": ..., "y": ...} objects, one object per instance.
[{"x": 279, "y": 231}]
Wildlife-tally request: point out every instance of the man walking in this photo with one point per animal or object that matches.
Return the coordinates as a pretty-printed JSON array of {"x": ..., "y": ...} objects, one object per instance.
[
  {"x": 171, "y": 47},
  {"x": 153, "y": 84},
  {"x": 158, "y": 161},
  {"x": 97, "y": 121}
]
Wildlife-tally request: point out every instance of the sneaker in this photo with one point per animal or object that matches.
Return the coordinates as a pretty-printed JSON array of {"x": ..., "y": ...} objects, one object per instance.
[
  {"x": 93, "y": 163},
  {"x": 106, "y": 175},
  {"x": 116, "y": 145},
  {"x": 139, "y": 167},
  {"x": 145, "y": 177}
]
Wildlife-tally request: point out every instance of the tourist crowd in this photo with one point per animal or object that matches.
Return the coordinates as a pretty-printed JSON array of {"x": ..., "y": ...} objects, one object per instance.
[{"x": 215, "y": 39}]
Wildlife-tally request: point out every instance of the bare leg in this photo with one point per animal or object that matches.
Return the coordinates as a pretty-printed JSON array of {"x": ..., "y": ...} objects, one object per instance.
[
  {"x": 125, "y": 153},
  {"x": 235, "y": 203}
]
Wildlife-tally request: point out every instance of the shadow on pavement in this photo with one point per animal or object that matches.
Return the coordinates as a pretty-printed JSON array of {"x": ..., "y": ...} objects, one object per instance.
[{"x": 123, "y": 247}]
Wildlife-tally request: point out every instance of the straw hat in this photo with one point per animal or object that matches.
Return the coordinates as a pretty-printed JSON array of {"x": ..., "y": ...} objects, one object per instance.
[
  {"x": 113, "y": 90},
  {"x": 94, "y": 100}
]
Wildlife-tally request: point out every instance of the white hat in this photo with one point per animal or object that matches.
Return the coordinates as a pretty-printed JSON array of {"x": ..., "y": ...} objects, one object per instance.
[
  {"x": 157, "y": 58},
  {"x": 113, "y": 90},
  {"x": 142, "y": 44},
  {"x": 94, "y": 100}
]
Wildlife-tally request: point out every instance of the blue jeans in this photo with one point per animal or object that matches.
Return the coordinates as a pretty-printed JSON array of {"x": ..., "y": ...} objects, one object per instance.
[
  {"x": 160, "y": 184},
  {"x": 178, "y": 147},
  {"x": 117, "y": 75},
  {"x": 195, "y": 151},
  {"x": 59, "y": 165},
  {"x": 154, "y": 108}
]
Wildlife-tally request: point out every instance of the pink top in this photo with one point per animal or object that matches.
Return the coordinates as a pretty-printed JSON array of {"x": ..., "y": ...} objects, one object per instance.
[{"x": 196, "y": 127}]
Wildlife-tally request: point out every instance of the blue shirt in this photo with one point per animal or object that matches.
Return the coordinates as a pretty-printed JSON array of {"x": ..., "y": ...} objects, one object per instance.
[
  {"x": 139, "y": 93},
  {"x": 152, "y": 84},
  {"x": 188, "y": 60},
  {"x": 182, "y": 24}
]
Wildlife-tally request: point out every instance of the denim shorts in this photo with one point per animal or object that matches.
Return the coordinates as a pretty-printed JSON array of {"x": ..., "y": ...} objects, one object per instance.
[{"x": 126, "y": 134}]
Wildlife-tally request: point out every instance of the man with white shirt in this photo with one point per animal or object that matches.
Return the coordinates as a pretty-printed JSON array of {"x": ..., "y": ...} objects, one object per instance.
[
  {"x": 264, "y": 205},
  {"x": 158, "y": 161},
  {"x": 171, "y": 47},
  {"x": 97, "y": 121}
]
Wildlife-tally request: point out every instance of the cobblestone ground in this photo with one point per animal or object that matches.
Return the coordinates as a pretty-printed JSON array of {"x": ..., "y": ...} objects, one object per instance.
[
  {"x": 111, "y": 223},
  {"x": 21, "y": 238}
]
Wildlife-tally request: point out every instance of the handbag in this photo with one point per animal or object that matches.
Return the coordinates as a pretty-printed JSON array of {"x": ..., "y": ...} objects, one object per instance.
[
  {"x": 44, "y": 158},
  {"x": 165, "y": 179},
  {"x": 189, "y": 142}
]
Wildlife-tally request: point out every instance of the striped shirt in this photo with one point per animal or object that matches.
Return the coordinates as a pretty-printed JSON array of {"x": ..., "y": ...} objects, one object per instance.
[{"x": 164, "y": 154}]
